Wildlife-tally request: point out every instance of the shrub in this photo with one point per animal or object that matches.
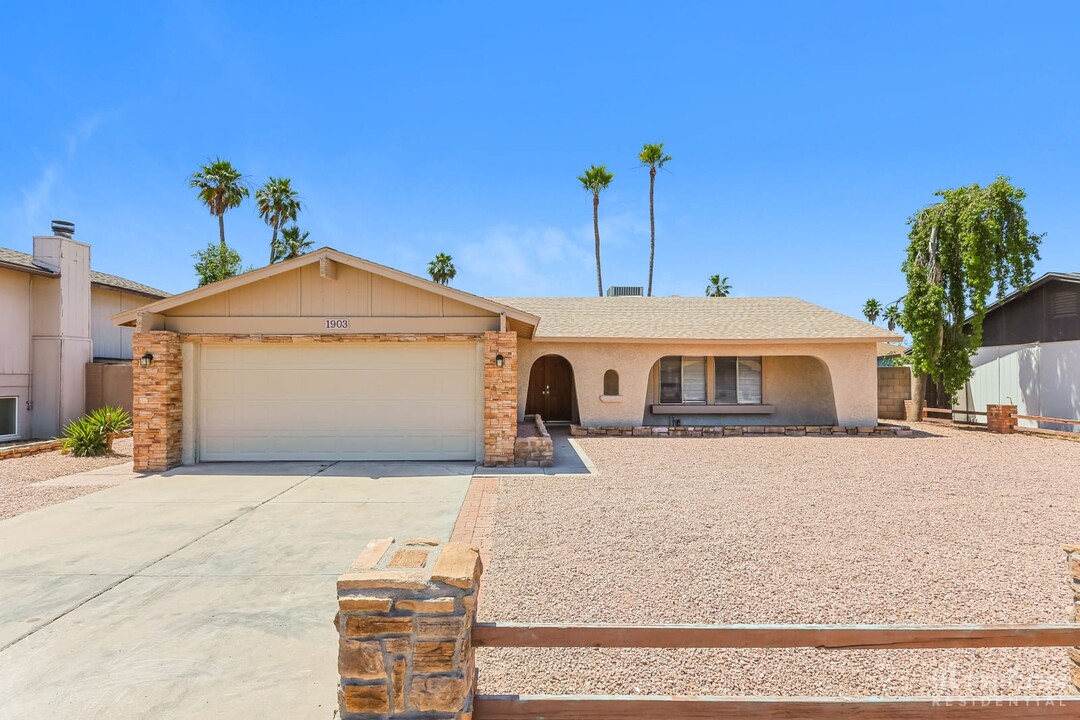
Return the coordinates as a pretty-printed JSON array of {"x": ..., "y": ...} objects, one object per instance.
[{"x": 93, "y": 433}]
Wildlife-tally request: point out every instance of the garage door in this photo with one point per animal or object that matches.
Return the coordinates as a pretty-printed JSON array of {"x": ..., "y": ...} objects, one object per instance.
[{"x": 338, "y": 402}]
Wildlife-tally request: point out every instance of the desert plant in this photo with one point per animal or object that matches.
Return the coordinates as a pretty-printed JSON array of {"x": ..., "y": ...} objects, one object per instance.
[{"x": 93, "y": 433}]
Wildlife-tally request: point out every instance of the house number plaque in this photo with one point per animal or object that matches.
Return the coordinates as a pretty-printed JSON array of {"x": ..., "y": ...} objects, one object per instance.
[{"x": 337, "y": 323}]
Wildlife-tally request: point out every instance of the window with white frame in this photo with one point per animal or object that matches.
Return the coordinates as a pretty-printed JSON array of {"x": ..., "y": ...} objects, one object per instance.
[
  {"x": 738, "y": 380},
  {"x": 9, "y": 417}
]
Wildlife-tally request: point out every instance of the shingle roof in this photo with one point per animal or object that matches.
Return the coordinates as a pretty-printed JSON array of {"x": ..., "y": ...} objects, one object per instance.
[
  {"x": 25, "y": 261},
  {"x": 684, "y": 318}
]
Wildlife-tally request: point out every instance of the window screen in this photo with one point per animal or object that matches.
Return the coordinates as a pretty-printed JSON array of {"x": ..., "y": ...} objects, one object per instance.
[
  {"x": 750, "y": 380},
  {"x": 738, "y": 380},
  {"x": 693, "y": 379},
  {"x": 671, "y": 380}
]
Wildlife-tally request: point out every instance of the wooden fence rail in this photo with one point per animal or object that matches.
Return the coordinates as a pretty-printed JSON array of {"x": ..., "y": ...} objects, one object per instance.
[
  {"x": 654, "y": 707},
  {"x": 826, "y": 637}
]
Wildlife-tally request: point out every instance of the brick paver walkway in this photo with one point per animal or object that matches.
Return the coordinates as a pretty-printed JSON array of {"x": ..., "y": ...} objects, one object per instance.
[{"x": 474, "y": 522}]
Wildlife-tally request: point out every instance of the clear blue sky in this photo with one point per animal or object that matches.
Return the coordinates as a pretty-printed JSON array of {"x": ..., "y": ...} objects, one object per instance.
[{"x": 803, "y": 134}]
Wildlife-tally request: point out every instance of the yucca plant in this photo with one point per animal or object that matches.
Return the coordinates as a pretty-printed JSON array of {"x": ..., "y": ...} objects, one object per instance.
[{"x": 93, "y": 433}]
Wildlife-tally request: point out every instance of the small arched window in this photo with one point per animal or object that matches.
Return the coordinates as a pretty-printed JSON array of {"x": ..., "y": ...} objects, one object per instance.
[{"x": 611, "y": 383}]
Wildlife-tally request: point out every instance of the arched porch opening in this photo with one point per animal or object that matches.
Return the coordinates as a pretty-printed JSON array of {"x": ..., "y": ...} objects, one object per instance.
[{"x": 552, "y": 393}]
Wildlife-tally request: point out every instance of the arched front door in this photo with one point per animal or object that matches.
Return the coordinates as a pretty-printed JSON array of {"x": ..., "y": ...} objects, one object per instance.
[{"x": 551, "y": 389}]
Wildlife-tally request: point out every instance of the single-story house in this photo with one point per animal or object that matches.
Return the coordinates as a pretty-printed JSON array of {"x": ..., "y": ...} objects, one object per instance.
[
  {"x": 55, "y": 332},
  {"x": 1030, "y": 353},
  {"x": 328, "y": 356}
]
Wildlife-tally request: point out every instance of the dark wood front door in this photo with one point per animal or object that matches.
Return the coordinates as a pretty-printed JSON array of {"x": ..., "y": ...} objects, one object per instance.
[{"x": 551, "y": 389}]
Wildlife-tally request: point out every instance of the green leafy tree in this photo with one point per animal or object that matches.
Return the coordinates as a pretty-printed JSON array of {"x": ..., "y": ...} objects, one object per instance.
[
  {"x": 653, "y": 157},
  {"x": 292, "y": 244},
  {"x": 718, "y": 287},
  {"x": 872, "y": 310},
  {"x": 973, "y": 241},
  {"x": 221, "y": 187},
  {"x": 442, "y": 269},
  {"x": 595, "y": 180},
  {"x": 892, "y": 317},
  {"x": 278, "y": 204},
  {"x": 216, "y": 262}
]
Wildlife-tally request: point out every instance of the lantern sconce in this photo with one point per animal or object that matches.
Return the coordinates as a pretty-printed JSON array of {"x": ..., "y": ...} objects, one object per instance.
[
  {"x": 499, "y": 360},
  {"x": 146, "y": 360}
]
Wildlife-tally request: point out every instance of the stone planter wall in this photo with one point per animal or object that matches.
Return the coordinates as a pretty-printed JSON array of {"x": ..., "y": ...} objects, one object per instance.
[
  {"x": 740, "y": 430},
  {"x": 405, "y": 617},
  {"x": 28, "y": 449},
  {"x": 535, "y": 448}
]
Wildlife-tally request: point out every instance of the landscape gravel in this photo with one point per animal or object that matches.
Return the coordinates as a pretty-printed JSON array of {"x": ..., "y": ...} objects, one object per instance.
[
  {"x": 17, "y": 475},
  {"x": 949, "y": 526}
]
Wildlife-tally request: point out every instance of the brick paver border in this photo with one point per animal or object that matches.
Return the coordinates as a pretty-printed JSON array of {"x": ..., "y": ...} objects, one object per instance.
[{"x": 475, "y": 520}]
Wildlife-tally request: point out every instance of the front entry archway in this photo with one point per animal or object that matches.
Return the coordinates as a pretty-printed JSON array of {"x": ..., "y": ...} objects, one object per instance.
[{"x": 551, "y": 390}]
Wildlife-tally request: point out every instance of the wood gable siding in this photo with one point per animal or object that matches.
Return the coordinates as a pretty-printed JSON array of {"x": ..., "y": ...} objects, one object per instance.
[{"x": 298, "y": 300}]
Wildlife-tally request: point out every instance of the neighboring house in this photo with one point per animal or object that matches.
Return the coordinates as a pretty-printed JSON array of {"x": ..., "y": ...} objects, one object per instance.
[
  {"x": 1030, "y": 354},
  {"x": 328, "y": 356},
  {"x": 55, "y": 323}
]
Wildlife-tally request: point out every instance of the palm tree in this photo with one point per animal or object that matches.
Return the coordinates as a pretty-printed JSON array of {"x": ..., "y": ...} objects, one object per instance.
[
  {"x": 292, "y": 244},
  {"x": 653, "y": 156},
  {"x": 278, "y": 203},
  {"x": 872, "y": 310},
  {"x": 221, "y": 187},
  {"x": 718, "y": 287},
  {"x": 892, "y": 316},
  {"x": 442, "y": 269},
  {"x": 595, "y": 180}
]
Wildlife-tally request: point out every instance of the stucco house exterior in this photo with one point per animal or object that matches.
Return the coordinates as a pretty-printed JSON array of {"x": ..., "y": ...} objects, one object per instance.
[
  {"x": 55, "y": 332},
  {"x": 328, "y": 356}
]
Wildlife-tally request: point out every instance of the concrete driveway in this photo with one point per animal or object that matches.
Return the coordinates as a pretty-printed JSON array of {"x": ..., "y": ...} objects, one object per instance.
[{"x": 207, "y": 591}]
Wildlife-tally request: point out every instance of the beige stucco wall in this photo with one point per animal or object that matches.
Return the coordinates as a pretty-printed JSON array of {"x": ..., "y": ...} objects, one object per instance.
[
  {"x": 794, "y": 376},
  {"x": 15, "y": 343}
]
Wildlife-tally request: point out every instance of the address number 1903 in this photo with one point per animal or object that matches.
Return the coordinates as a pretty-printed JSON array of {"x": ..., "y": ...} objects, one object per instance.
[{"x": 337, "y": 323}]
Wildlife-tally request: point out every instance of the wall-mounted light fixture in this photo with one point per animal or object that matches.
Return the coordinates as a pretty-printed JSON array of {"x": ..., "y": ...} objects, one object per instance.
[
  {"x": 499, "y": 360},
  {"x": 146, "y": 360}
]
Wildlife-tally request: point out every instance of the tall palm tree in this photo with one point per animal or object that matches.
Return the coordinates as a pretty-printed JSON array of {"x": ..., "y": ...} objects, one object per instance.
[
  {"x": 292, "y": 244},
  {"x": 892, "y": 316},
  {"x": 221, "y": 187},
  {"x": 278, "y": 203},
  {"x": 595, "y": 180},
  {"x": 718, "y": 287},
  {"x": 872, "y": 310},
  {"x": 653, "y": 157},
  {"x": 442, "y": 269}
]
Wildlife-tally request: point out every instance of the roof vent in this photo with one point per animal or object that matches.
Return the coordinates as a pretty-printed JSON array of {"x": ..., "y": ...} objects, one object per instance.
[
  {"x": 625, "y": 291},
  {"x": 63, "y": 228}
]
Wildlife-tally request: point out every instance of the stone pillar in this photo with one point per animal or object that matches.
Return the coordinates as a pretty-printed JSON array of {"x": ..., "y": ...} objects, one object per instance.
[
  {"x": 1072, "y": 553},
  {"x": 500, "y": 398},
  {"x": 157, "y": 416},
  {"x": 999, "y": 418},
  {"x": 405, "y": 616}
]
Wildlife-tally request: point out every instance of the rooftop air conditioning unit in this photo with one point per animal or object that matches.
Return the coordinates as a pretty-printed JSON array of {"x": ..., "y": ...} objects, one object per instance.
[{"x": 625, "y": 291}]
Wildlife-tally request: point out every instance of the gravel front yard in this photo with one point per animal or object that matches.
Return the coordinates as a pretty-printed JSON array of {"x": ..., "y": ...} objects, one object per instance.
[
  {"x": 18, "y": 495},
  {"x": 951, "y": 526}
]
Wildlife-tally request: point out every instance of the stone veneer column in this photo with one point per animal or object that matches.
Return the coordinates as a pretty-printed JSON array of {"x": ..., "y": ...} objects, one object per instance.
[
  {"x": 405, "y": 616},
  {"x": 157, "y": 407},
  {"x": 500, "y": 398},
  {"x": 1073, "y": 564},
  {"x": 999, "y": 420}
]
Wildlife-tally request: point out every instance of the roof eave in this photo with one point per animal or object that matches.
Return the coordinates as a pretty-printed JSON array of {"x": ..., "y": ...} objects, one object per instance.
[
  {"x": 130, "y": 291},
  {"x": 29, "y": 270},
  {"x": 716, "y": 341}
]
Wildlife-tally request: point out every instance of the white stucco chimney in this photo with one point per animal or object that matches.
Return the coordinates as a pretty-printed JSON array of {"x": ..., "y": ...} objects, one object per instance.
[{"x": 61, "y": 331}]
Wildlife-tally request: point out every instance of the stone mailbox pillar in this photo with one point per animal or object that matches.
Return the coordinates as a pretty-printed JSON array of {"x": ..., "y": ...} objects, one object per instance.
[{"x": 405, "y": 616}]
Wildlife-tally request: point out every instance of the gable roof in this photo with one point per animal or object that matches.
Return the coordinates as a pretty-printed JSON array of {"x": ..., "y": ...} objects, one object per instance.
[
  {"x": 698, "y": 318},
  {"x": 518, "y": 319},
  {"x": 24, "y": 262},
  {"x": 1042, "y": 280}
]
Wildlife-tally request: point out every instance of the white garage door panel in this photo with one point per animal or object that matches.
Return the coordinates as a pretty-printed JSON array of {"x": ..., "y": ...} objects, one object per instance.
[{"x": 358, "y": 402}]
